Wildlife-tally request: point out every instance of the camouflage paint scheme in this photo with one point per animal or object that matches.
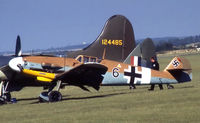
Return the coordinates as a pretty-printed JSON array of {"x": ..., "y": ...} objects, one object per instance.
[
  {"x": 178, "y": 71},
  {"x": 117, "y": 37}
]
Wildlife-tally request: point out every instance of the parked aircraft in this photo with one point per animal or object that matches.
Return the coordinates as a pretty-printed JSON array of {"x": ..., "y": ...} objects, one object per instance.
[
  {"x": 178, "y": 71},
  {"x": 49, "y": 71}
]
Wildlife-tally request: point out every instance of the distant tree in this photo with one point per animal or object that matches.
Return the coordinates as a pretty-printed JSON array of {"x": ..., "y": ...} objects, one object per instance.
[{"x": 164, "y": 46}]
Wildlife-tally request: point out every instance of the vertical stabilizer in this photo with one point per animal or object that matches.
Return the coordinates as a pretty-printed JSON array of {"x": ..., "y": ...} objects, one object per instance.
[
  {"x": 180, "y": 68},
  {"x": 178, "y": 63},
  {"x": 117, "y": 38},
  {"x": 145, "y": 50}
]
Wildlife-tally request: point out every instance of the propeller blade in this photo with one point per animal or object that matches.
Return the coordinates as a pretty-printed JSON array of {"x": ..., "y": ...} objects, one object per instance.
[{"x": 18, "y": 50}]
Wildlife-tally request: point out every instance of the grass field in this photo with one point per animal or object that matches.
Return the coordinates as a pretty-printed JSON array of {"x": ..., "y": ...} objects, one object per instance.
[{"x": 112, "y": 104}]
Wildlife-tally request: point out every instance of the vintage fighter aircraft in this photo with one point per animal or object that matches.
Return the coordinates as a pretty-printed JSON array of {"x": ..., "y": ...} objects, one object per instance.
[
  {"x": 178, "y": 71},
  {"x": 49, "y": 71}
]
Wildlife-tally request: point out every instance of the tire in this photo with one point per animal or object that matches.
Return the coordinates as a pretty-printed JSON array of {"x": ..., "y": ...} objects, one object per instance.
[{"x": 55, "y": 96}]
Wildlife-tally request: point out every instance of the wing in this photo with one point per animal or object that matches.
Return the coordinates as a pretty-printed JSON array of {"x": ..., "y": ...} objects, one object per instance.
[{"x": 89, "y": 74}]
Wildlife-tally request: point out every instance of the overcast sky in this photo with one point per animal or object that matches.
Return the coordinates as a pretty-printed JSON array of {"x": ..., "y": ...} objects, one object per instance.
[{"x": 54, "y": 23}]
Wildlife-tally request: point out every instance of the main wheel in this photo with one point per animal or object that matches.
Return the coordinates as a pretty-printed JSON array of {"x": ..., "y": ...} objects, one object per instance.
[{"x": 55, "y": 96}]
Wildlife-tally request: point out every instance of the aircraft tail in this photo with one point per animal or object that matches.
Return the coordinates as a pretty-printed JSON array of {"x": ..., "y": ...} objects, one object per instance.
[
  {"x": 141, "y": 55},
  {"x": 115, "y": 42},
  {"x": 180, "y": 68}
]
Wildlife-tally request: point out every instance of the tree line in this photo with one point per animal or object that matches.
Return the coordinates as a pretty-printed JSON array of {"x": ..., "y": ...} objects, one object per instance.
[{"x": 176, "y": 43}]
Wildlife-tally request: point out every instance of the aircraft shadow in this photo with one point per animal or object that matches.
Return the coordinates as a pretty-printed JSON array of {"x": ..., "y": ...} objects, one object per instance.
[
  {"x": 96, "y": 96},
  {"x": 185, "y": 87},
  {"x": 27, "y": 99},
  {"x": 65, "y": 97},
  {"x": 81, "y": 98},
  {"x": 34, "y": 98}
]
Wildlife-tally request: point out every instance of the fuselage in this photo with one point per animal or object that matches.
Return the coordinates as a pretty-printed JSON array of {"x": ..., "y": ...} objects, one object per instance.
[{"x": 118, "y": 73}]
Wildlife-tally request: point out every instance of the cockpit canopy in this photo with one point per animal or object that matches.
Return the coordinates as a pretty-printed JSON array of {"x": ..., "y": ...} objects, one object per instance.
[{"x": 86, "y": 59}]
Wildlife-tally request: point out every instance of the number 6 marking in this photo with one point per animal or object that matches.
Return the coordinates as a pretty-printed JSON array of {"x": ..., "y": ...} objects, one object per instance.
[{"x": 115, "y": 72}]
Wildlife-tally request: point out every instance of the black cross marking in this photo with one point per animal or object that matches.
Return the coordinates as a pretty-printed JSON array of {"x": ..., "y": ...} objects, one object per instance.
[{"x": 132, "y": 74}]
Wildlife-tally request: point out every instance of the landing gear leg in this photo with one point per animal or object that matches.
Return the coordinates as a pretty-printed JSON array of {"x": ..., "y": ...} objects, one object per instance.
[
  {"x": 2, "y": 100},
  {"x": 5, "y": 96}
]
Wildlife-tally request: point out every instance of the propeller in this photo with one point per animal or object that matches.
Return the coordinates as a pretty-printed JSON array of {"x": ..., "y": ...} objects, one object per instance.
[{"x": 17, "y": 60}]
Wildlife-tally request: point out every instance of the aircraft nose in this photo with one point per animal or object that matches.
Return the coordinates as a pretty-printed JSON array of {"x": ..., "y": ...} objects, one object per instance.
[{"x": 13, "y": 63}]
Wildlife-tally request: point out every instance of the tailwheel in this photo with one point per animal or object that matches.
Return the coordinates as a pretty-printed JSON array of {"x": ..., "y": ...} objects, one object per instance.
[
  {"x": 170, "y": 86},
  {"x": 55, "y": 96}
]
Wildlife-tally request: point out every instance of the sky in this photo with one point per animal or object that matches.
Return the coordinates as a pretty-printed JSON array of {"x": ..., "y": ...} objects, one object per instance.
[{"x": 43, "y": 24}]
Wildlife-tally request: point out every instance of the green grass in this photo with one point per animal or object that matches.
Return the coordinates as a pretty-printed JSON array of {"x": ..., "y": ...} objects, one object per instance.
[{"x": 112, "y": 104}]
